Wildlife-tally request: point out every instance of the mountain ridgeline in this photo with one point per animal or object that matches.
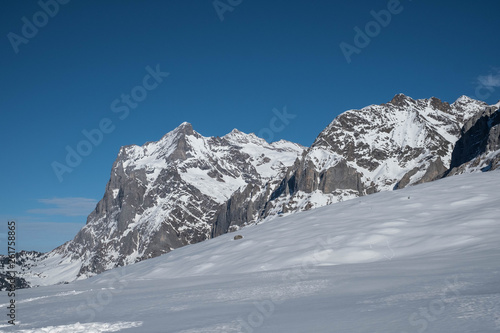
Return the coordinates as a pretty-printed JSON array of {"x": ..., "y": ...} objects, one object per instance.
[{"x": 186, "y": 188}]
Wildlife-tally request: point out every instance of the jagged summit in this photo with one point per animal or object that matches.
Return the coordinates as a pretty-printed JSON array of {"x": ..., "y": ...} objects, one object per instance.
[
  {"x": 237, "y": 136},
  {"x": 467, "y": 102},
  {"x": 464, "y": 99},
  {"x": 184, "y": 128},
  {"x": 401, "y": 100},
  {"x": 404, "y": 100},
  {"x": 235, "y": 131}
]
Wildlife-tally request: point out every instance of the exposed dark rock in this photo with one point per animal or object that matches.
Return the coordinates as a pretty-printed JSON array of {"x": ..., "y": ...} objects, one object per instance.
[
  {"x": 22, "y": 263},
  {"x": 479, "y": 143}
]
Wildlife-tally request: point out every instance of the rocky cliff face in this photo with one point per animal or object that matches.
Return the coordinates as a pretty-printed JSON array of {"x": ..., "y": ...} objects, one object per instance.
[
  {"x": 377, "y": 148},
  {"x": 478, "y": 148},
  {"x": 186, "y": 188},
  {"x": 393, "y": 145}
]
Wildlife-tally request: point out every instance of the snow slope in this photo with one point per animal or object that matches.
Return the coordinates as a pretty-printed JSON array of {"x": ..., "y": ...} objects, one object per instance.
[{"x": 421, "y": 259}]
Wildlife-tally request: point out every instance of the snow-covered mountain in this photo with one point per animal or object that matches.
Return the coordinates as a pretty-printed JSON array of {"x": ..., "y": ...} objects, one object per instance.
[
  {"x": 164, "y": 195},
  {"x": 377, "y": 148},
  {"x": 422, "y": 259},
  {"x": 187, "y": 188},
  {"x": 381, "y": 147}
]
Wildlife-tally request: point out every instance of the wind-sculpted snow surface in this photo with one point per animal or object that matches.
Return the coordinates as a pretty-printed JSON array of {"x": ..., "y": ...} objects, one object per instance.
[{"x": 422, "y": 259}]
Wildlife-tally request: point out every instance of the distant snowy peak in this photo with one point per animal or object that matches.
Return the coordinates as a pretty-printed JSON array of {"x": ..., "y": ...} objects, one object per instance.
[
  {"x": 184, "y": 143},
  {"x": 466, "y": 107},
  {"x": 172, "y": 146},
  {"x": 238, "y": 137},
  {"x": 467, "y": 100},
  {"x": 215, "y": 166},
  {"x": 404, "y": 100}
]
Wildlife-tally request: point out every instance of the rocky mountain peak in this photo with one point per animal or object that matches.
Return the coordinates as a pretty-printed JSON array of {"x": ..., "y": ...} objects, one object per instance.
[
  {"x": 401, "y": 100},
  {"x": 183, "y": 125},
  {"x": 464, "y": 100},
  {"x": 235, "y": 131},
  {"x": 238, "y": 137},
  {"x": 437, "y": 104},
  {"x": 183, "y": 130},
  {"x": 465, "y": 108}
]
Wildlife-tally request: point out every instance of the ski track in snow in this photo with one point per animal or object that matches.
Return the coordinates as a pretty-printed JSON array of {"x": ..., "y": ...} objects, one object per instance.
[{"x": 84, "y": 328}]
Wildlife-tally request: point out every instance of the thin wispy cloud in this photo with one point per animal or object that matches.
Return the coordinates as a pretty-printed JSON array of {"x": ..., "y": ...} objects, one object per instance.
[
  {"x": 66, "y": 206},
  {"x": 490, "y": 80}
]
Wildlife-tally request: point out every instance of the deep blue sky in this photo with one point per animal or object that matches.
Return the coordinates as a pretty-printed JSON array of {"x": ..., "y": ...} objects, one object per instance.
[{"x": 223, "y": 75}]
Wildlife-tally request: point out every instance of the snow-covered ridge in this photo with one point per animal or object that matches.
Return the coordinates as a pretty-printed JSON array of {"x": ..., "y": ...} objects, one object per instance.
[
  {"x": 201, "y": 156},
  {"x": 381, "y": 135}
]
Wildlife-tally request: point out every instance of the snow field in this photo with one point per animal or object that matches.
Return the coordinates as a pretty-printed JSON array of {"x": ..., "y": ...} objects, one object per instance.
[{"x": 422, "y": 259}]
